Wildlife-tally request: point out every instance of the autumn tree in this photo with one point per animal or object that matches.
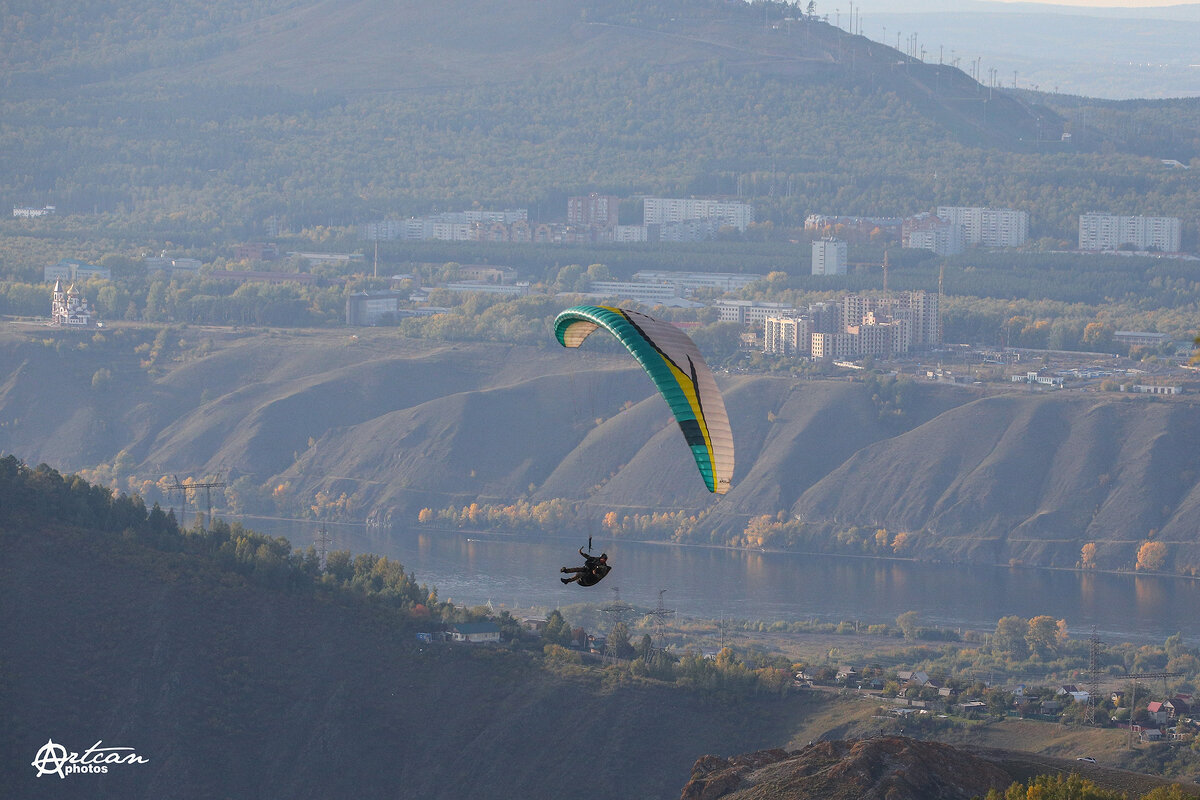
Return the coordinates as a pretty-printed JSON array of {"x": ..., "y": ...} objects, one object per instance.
[
  {"x": 1056, "y": 787},
  {"x": 1087, "y": 556},
  {"x": 1151, "y": 556}
]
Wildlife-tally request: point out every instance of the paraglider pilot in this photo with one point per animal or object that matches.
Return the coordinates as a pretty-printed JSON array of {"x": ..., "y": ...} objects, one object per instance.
[{"x": 592, "y": 572}]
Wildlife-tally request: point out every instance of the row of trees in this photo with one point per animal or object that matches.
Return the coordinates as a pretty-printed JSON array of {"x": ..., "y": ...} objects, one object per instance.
[
  {"x": 1038, "y": 324},
  {"x": 1076, "y": 787}
]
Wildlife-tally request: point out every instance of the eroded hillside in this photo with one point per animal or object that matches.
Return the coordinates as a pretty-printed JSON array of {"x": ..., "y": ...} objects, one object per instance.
[{"x": 373, "y": 424}]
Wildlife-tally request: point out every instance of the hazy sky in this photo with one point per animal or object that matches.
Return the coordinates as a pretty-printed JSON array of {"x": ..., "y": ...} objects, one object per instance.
[{"x": 1096, "y": 3}]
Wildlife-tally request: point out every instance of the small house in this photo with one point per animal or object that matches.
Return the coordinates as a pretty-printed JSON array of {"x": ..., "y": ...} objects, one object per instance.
[
  {"x": 475, "y": 632},
  {"x": 1157, "y": 713},
  {"x": 913, "y": 678},
  {"x": 1177, "y": 707}
]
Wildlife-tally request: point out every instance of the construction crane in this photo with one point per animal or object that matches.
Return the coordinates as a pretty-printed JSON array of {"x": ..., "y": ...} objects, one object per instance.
[{"x": 941, "y": 299}]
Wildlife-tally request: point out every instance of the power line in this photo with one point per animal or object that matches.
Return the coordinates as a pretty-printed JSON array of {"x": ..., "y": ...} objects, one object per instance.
[
  {"x": 185, "y": 488},
  {"x": 1133, "y": 701},
  {"x": 660, "y": 615},
  {"x": 323, "y": 543},
  {"x": 618, "y": 612},
  {"x": 1089, "y": 714}
]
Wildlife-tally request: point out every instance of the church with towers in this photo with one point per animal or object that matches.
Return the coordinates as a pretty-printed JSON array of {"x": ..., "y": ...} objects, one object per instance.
[{"x": 69, "y": 308}]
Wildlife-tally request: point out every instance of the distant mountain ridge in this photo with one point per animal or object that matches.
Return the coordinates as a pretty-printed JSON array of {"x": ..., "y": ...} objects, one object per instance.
[
  {"x": 366, "y": 47},
  {"x": 398, "y": 425}
]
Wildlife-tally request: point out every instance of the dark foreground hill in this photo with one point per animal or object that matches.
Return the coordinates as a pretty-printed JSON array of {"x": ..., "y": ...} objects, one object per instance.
[
  {"x": 375, "y": 424},
  {"x": 888, "y": 768},
  {"x": 233, "y": 688}
]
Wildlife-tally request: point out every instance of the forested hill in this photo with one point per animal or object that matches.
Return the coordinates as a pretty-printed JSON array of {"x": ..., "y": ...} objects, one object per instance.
[
  {"x": 237, "y": 670},
  {"x": 431, "y": 46},
  {"x": 371, "y": 46},
  {"x": 213, "y": 123},
  {"x": 195, "y": 127}
]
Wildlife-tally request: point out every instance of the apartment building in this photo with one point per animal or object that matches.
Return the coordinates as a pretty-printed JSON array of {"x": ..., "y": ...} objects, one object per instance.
[
  {"x": 789, "y": 336},
  {"x": 988, "y": 227},
  {"x": 829, "y": 256},
  {"x": 926, "y": 231},
  {"x": 667, "y": 210},
  {"x": 1110, "y": 231},
  {"x": 593, "y": 210}
]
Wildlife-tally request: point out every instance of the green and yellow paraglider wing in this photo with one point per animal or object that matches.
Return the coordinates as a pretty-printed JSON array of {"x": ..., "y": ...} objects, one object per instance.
[{"x": 674, "y": 363}]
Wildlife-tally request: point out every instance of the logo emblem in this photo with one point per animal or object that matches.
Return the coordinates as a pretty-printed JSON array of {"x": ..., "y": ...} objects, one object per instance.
[
  {"x": 54, "y": 759},
  {"x": 50, "y": 759}
]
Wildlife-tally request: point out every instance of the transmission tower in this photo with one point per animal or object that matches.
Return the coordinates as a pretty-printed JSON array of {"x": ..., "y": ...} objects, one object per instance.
[
  {"x": 1089, "y": 714},
  {"x": 184, "y": 488},
  {"x": 723, "y": 632},
  {"x": 178, "y": 487},
  {"x": 618, "y": 611},
  {"x": 660, "y": 616},
  {"x": 323, "y": 542}
]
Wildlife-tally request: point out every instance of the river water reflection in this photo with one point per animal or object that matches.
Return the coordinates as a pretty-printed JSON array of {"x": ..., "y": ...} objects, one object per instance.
[{"x": 522, "y": 571}]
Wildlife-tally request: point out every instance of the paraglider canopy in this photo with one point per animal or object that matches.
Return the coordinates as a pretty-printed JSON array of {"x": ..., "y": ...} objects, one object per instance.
[{"x": 674, "y": 363}]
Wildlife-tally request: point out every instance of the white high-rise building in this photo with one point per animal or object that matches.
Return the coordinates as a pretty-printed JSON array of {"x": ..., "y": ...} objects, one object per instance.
[
  {"x": 667, "y": 210},
  {"x": 925, "y": 231},
  {"x": 750, "y": 312},
  {"x": 828, "y": 256},
  {"x": 787, "y": 335},
  {"x": 1110, "y": 231},
  {"x": 833, "y": 345},
  {"x": 988, "y": 227}
]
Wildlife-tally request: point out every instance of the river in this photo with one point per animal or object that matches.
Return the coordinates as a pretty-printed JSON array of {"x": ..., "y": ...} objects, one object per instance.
[{"x": 521, "y": 571}]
